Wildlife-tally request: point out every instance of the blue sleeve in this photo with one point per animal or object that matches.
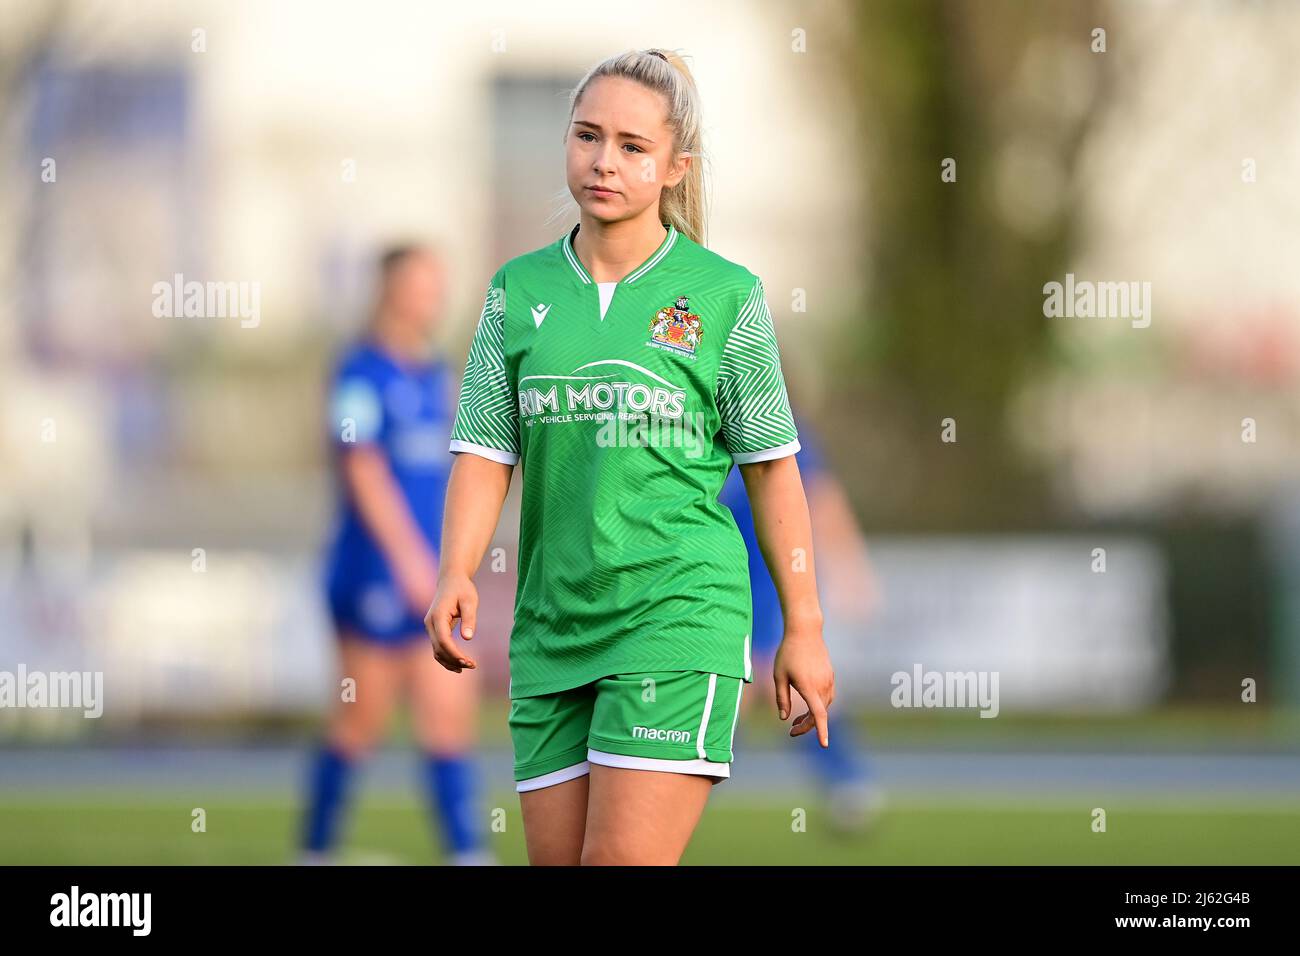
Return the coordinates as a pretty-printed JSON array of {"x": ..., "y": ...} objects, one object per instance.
[
  {"x": 809, "y": 455},
  {"x": 356, "y": 406}
]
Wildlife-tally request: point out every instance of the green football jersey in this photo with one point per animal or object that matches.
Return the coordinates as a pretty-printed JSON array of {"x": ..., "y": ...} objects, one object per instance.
[{"x": 625, "y": 404}]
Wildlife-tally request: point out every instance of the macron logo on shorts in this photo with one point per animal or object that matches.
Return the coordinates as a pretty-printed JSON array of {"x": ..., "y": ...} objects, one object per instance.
[{"x": 654, "y": 733}]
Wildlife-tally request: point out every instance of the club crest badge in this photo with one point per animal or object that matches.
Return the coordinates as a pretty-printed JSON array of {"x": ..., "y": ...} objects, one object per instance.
[{"x": 676, "y": 328}]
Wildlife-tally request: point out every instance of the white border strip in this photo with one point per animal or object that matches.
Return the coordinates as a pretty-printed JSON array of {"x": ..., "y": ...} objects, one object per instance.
[
  {"x": 704, "y": 720},
  {"x": 767, "y": 454},
  {"x": 555, "y": 776},
  {"x": 704, "y": 768},
  {"x": 492, "y": 454},
  {"x": 573, "y": 259},
  {"x": 569, "y": 253},
  {"x": 735, "y": 718},
  {"x": 669, "y": 241}
]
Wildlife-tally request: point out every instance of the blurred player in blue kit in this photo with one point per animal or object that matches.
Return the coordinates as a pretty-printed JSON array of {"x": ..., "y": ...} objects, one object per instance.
[
  {"x": 842, "y": 770},
  {"x": 391, "y": 404}
]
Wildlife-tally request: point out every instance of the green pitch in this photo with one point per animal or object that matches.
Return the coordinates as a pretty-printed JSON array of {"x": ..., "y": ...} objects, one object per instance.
[{"x": 121, "y": 828}]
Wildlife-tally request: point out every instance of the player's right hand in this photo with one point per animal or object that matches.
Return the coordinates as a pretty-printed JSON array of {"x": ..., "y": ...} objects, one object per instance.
[{"x": 455, "y": 599}]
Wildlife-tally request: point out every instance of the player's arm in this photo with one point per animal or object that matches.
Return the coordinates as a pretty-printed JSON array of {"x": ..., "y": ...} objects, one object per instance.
[
  {"x": 476, "y": 492},
  {"x": 850, "y": 582},
  {"x": 357, "y": 423},
  {"x": 387, "y": 516},
  {"x": 759, "y": 431},
  {"x": 784, "y": 532},
  {"x": 485, "y": 440}
]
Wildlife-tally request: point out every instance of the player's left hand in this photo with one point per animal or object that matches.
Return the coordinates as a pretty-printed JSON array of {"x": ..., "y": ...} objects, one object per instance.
[{"x": 803, "y": 663}]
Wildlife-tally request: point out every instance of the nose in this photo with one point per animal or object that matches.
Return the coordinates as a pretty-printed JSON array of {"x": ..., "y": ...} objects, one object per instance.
[{"x": 604, "y": 158}]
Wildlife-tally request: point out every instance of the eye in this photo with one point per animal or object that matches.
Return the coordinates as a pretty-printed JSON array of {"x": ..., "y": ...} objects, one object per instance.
[
  {"x": 582, "y": 136},
  {"x": 632, "y": 146}
]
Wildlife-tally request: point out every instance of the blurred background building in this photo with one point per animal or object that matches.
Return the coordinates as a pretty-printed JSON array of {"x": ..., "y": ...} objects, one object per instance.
[
  {"x": 283, "y": 147},
  {"x": 905, "y": 177}
]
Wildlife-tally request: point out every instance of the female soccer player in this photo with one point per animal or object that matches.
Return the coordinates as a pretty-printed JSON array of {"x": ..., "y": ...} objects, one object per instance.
[
  {"x": 390, "y": 405},
  {"x": 625, "y": 367}
]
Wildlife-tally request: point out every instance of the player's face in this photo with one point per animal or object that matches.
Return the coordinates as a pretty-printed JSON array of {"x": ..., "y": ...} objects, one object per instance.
[
  {"x": 413, "y": 292},
  {"x": 619, "y": 150}
]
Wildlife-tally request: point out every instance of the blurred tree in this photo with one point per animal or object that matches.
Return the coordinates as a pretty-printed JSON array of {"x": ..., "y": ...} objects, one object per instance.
[{"x": 954, "y": 321}]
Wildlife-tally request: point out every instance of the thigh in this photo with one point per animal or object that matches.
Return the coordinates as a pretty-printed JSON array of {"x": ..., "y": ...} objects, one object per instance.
[
  {"x": 659, "y": 742},
  {"x": 555, "y": 819},
  {"x": 641, "y": 817},
  {"x": 444, "y": 706},
  {"x": 365, "y": 704},
  {"x": 550, "y": 735}
]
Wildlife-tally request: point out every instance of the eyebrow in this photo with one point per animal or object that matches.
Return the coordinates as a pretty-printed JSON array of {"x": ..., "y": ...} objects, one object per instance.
[{"x": 595, "y": 126}]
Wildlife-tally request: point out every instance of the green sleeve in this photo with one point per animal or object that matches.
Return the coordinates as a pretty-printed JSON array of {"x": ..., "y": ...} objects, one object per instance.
[{"x": 487, "y": 417}]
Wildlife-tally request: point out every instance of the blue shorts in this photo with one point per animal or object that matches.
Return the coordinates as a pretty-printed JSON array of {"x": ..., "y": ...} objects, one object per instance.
[
  {"x": 374, "y": 610},
  {"x": 768, "y": 625}
]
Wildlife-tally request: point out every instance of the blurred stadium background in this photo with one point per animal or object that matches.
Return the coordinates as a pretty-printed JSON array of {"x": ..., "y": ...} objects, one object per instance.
[{"x": 284, "y": 144}]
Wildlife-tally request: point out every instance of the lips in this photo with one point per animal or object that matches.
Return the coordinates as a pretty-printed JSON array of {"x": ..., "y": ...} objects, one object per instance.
[{"x": 602, "y": 191}]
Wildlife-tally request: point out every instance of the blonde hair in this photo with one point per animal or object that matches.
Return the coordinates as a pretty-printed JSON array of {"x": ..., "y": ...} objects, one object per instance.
[{"x": 685, "y": 205}]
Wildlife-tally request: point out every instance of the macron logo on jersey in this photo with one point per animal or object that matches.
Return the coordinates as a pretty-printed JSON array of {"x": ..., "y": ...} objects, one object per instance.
[
  {"x": 539, "y": 313},
  {"x": 654, "y": 733}
]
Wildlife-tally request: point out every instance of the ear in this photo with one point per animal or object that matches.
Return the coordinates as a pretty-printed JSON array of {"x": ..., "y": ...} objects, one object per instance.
[{"x": 679, "y": 170}]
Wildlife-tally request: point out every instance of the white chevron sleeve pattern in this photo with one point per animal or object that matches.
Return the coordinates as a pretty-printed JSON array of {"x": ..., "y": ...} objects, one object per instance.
[
  {"x": 757, "y": 424},
  {"x": 487, "y": 418}
]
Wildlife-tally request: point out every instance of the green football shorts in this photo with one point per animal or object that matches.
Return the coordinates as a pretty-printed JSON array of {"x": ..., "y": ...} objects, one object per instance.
[{"x": 671, "y": 721}]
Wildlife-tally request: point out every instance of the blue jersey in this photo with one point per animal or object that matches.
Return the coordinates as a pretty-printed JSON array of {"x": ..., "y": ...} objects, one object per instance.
[
  {"x": 404, "y": 409},
  {"x": 768, "y": 624}
]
